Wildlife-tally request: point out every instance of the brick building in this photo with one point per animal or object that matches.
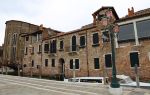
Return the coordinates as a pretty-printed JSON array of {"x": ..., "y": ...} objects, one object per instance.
[
  {"x": 1, "y": 55},
  {"x": 49, "y": 52}
]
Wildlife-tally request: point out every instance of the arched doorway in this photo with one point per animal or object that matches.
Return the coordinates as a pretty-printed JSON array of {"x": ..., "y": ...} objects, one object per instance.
[{"x": 62, "y": 68}]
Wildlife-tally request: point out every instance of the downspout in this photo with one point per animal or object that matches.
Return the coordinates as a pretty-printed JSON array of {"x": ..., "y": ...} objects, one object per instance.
[{"x": 88, "y": 72}]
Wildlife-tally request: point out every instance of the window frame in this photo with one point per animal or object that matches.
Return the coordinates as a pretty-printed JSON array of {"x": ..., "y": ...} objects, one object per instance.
[
  {"x": 46, "y": 62},
  {"x": 84, "y": 41},
  {"x": 95, "y": 44},
  {"x": 53, "y": 46},
  {"x": 96, "y": 64},
  {"x": 75, "y": 64},
  {"x": 27, "y": 38},
  {"x": 53, "y": 63},
  {"x": 138, "y": 59},
  {"x": 110, "y": 59},
  {"x": 46, "y": 48},
  {"x": 39, "y": 48},
  {"x": 61, "y": 45},
  {"x": 72, "y": 43},
  {"x": 32, "y": 63}
]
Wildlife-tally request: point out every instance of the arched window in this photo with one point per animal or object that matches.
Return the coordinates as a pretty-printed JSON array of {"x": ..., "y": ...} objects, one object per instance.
[{"x": 74, "y": 44}]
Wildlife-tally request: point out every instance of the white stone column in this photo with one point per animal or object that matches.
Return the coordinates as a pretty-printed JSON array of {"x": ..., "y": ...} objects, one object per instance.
[
  {"x": 135, "y": 33},
  {"x": 116, "y": 40}
]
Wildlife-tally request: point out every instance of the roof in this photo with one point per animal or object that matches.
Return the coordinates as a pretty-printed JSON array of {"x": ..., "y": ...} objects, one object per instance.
[
  {"x": 83, "y": 28},
  {"x": 144, "y": 12}
]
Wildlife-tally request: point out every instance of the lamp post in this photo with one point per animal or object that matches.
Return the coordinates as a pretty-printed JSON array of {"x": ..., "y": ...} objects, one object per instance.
[
  {"x": 74, "y": 73},
  {"x": 112, "y": 28},
  {"x": 30, "y": 61},
  {"x": 18, "y": 67}
]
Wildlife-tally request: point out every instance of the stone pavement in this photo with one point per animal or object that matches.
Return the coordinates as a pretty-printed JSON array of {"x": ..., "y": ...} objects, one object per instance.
[{"x": 14, "y": 85}]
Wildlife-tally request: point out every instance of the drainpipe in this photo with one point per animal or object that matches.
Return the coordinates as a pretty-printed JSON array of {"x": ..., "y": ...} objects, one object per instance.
[{"x": 88, "y": 72}]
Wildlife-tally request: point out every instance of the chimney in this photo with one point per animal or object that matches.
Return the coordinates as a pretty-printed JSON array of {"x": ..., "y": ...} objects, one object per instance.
[{"x": 130, "y": 12}]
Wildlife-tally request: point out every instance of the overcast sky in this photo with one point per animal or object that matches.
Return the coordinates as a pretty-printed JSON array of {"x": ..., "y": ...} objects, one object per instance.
[{"x": 63, "y": 15}]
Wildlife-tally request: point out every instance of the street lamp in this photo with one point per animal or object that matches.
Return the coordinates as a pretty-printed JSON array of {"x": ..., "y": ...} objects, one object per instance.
[
  {"x": 30, "y": 61},
  {"x": 74, "y": 73},
  {"x": 108, "y": 23}
]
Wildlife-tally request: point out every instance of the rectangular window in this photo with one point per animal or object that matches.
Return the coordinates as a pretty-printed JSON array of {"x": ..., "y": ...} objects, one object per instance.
[
  {"x": 96, "y": 63},
  {"x": 95, "y": 39},
  {"x": 32, "y": 63},
  {"x": 53, "y": 46},
  {"x": 134, "y": 59},
  {"x": 76, "y": 63},
  {"x": 53, "y": 62},
  {"x": 108, "y": 61},
  {"x": 46, "y": 62},
  {"x": 71, "y": 64},
  {"x": 40, "y": 49},
  {"x": 82, "y": 41},
  {"x": 143, "y": 28},
  {"x": 46, "y": 48},
  {"x": 126, "y": 32},
  {"x": 61, "y": 45},
  {"x": 27, "y": 38},
  {"x": 37, "y": 66}
]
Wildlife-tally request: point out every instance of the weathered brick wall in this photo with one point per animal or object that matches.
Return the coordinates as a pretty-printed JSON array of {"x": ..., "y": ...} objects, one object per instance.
[{"x": 17, "y": 27}]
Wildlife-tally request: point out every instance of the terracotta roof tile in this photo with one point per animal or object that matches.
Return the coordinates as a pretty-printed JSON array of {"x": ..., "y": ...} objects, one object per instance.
[{"x": 136, "y": 14}]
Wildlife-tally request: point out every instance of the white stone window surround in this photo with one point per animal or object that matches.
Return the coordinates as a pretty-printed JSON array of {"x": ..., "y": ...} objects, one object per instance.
[
  {"x": 85, "y": 39},
  {"x": 94, "y": 63},
  {"x": 58, "y": 45},
  {"x": 74, "y": 62},
  {"x": 70, "y": 47},
  {"x": 92, "y": 37},
  {"x": 104, "y": 60},
  {"x": 139, "y": 58}
]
